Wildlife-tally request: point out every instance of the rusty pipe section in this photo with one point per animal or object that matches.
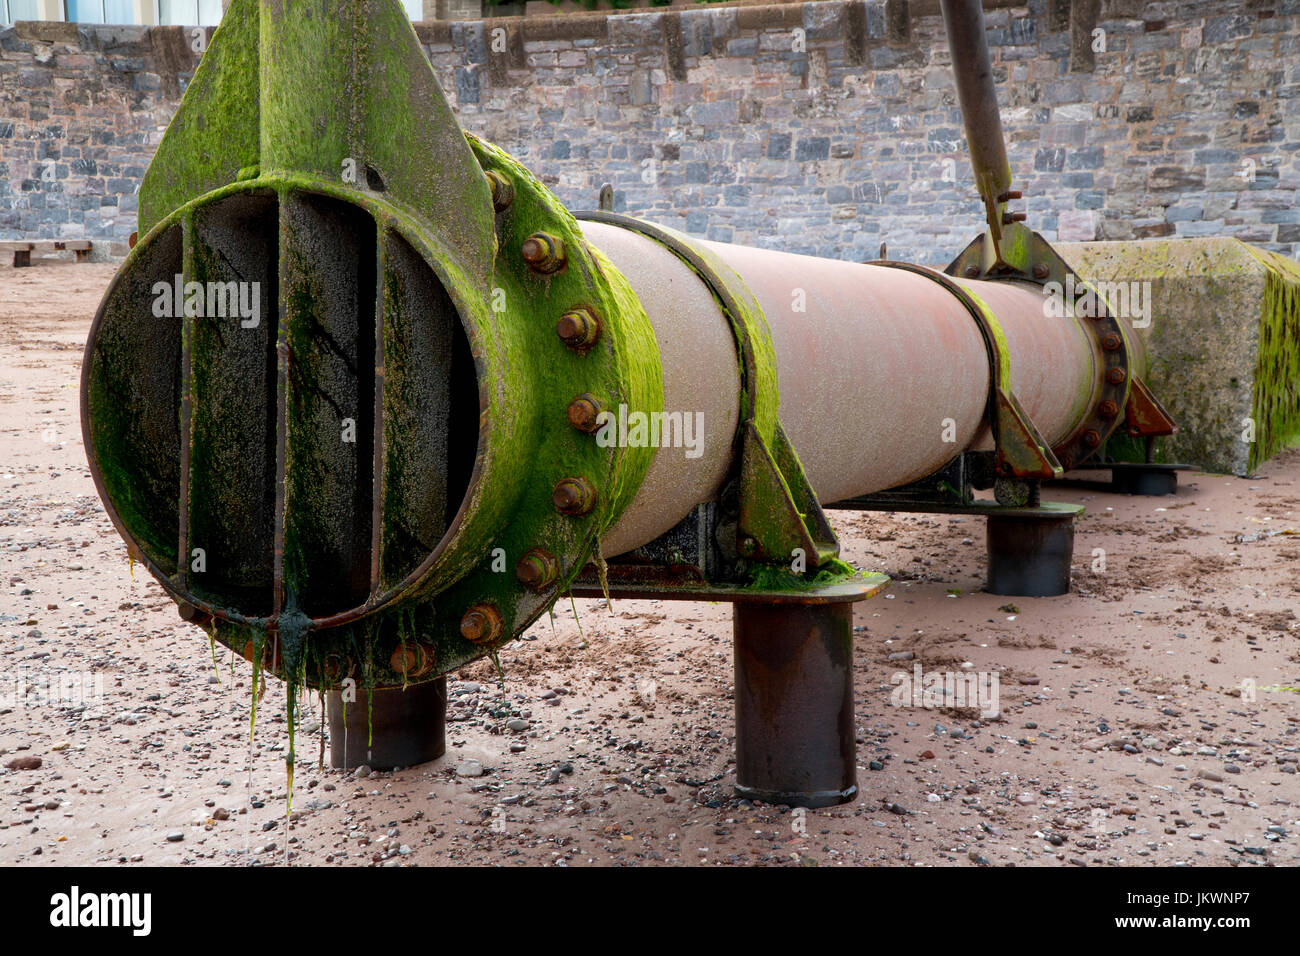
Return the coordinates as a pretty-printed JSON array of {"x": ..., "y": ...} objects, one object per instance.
[{"x": 883, "y": 375}]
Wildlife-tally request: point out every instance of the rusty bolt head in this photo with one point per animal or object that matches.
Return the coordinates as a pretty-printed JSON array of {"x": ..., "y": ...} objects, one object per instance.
[
  {"x": 482, "y": 624},
  {"x": 1010, "y": 217},
  {"x": 1041, "y": 270},
  {"x": 1116, "y": 376},
  {"x": 1111, "y": 341},
  {"x": 574, "y": 496},
  {"x": 537, "y": 569},
  {"x": 972, "y": 272},
  {"x": 578, "y": 328},
  {"x": 503, "y": 191},
  {"x": 412, "y": 660},
  {"x": 584, "y": 412},
  {"x": 544, "y": 253},
  {"x": 1108, "y": 409},
  {"x": 1092, "y": 438}
]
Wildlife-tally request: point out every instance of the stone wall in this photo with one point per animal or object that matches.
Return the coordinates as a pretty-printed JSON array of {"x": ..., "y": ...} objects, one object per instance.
[{"x": 823, "y": 127}]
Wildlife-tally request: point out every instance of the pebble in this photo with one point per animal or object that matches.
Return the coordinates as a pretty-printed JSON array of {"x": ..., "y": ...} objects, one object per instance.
[
  {"x": 470, "y": 768},
  {"x": 1026, "y": 799},
  {"x": 933, "y": 798},
  {"x": 24, "y": 763},
  {"x": 175, "y": 836},
  {"x": 517, "y": 724}
]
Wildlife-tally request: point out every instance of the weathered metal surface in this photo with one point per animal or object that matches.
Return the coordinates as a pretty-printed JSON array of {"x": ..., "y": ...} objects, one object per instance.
[
  {"x": 977, "y": 94},
  {"x": 389, "y": 727},
  {"x": 1030, "y": 555},
  {"x": 795, "y": 739},
  {"x": 701, "y": 379}
]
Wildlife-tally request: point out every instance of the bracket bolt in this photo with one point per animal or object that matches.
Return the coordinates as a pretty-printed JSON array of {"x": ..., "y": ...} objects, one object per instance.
[
  {"x": 972, "y": 272},
  {"x": 1009, "y": 195},
  {"x": 578, "y": 328},
  {"x": 1116, "y": 376},
  {"x": 412, "y": 660},
  {"x": 574, "y": 496},
  {"x": 502, "y": 189},
  {"x": 482, "y": 624},
  {"x": 748, "y": 547},
  {"x": 1092, "y": 438},
  {"x": 1111, "y": 341},
  {"x": 544, "y": 253},
  {"x": 1040, "y": 270},
  {"x": 1108, "y": 409},
  {"x": 585, "y": 412},
  {"x": 537, "y": 569},
  {"x": 1010, "y": 217}
]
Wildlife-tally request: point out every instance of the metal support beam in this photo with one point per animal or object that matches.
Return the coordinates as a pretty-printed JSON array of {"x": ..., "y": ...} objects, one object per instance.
[
  {"x": 1030, "y": 555},
  {"x": 404, "y": 727},
  {"x": 795, "y": 741}
]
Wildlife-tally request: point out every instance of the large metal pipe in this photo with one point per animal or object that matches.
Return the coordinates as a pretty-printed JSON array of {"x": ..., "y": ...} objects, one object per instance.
[
  {"x": 883, "y": 374},
  {"x": 362, "y": 427}
]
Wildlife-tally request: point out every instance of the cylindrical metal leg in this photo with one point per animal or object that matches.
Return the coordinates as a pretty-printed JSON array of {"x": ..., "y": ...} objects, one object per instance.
[
  {"x": 1030, "y": 557},
  {"x": 402, "y": 729},
  {"x": 1154, "y": 481},
  {"x": 795, "y": 741}
]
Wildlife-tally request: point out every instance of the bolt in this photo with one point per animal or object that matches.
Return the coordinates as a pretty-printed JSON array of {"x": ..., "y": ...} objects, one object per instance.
[
  {"x": 585, "y": 412},
  {"x": 412, "y": 660},
  {"x": 578, "y": 328},
  {"x": 537, "y": 569},
  {"x": 1092, "y": 438},
  {"x": 1009, "y": 195},
  {"x": 1111, "y": 341},
  {"x": 574, "y": 496},
  {"x": 544, "y": 253},
  {"x": 482, "y": 624},
  {"x": 1116, "y": 376},
  {"x": 1108, "y": 409},
  {"x": 503, "y": 191},
  {"x": 972, "y": 272},
  {"x": 748, "y": 547},
  {"x": 1008, "y": 217},
  {"x": 1040, "y": 270}
]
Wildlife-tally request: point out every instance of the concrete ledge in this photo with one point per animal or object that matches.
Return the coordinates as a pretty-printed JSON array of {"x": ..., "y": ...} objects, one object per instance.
[{"x": 1223, "y": 343}]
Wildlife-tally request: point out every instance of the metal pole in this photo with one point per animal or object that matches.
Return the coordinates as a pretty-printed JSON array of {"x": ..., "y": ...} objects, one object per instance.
[{"x": 973, "y": 71}]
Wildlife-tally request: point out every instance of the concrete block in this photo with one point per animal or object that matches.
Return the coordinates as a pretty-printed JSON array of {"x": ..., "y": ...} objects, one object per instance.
[{"x": 1223, "y": 344}]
